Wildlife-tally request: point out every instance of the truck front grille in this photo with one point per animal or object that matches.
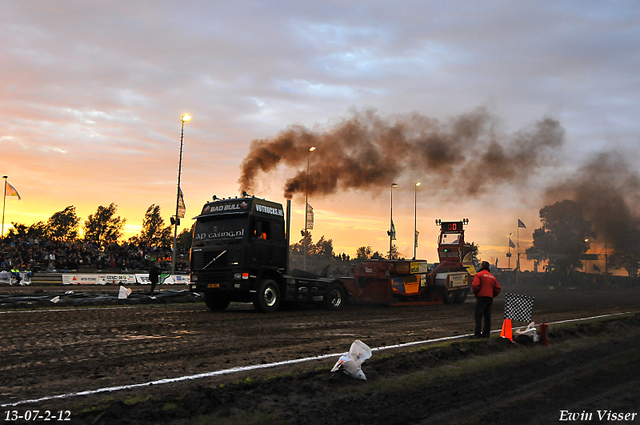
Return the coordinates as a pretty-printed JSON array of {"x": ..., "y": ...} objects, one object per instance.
[{"x": 202, "y": 259}]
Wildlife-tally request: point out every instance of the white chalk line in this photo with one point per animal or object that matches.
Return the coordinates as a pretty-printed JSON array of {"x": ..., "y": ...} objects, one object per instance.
[
  {"x": 269, "y": 365},
  {"x": 48, "y": 310}
]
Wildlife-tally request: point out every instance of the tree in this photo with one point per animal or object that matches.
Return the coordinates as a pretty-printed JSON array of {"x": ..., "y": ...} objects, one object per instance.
[
  {"x": 627, "y": 256},
  {"x": 154, "y": 232},
  {"x": 324, "y": 247},
  {"x": 63, "y": 225},
  {"x": 364, "y": 252},
  {"x": 377, "y": 256},
  {"x": 104, "y": 227},
  {"x": 298, "y": 248},
  {"x": 562, "y": 239},
  {"x": 185, "y": 238},
  {"x": 395, "y": 254},
  {"x": 22, "y": 231}
]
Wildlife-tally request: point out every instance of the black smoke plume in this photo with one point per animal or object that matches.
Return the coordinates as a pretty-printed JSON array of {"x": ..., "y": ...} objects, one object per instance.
[
  {"x": 608, "y": 190},
  {"x": 366, "y": 152}
]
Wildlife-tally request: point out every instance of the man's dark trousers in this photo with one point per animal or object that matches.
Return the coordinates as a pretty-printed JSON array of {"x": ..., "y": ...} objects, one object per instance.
[{"x": 483, "y": 309}]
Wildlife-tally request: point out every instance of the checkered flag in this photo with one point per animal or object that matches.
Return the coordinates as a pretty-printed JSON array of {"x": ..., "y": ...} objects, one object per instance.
[{"x": 518, "y": 307}]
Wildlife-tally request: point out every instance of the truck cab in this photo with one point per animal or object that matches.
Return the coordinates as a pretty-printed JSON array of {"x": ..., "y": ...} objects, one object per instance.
[
  {"x": 240, "y": 253},
  {"x": 237, "y": 242}
]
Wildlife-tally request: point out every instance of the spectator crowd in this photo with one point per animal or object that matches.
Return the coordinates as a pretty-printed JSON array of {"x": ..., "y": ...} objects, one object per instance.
[{"x": 39, "y": 255}]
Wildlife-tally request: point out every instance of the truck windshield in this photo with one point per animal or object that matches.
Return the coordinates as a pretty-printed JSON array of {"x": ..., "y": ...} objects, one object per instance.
[
  {"x": 450, "y": 238},
  {"x": 213, "y": 229}
]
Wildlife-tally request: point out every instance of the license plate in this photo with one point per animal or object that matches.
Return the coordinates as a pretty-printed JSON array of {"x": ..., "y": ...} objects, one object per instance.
[{"x": 213, "y": 285}]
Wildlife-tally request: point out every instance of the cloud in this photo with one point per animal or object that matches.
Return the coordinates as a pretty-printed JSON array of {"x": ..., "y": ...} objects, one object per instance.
[{"x": 107, "y": 83}]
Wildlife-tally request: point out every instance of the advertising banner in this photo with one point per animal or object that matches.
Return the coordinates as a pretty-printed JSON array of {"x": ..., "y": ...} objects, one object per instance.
[
  {"x": 121, "y": 279},
  {"x": 310, "y": 217},
  {"x": 97, "y": 279},
  {"x": 176, "y": 279},
  {"x": 164, "y": 279},
  {"x": 12, "y": 278}
]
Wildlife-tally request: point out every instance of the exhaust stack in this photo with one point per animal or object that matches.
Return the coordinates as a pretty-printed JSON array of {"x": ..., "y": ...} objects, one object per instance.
[{"x": 287, "y": 232}]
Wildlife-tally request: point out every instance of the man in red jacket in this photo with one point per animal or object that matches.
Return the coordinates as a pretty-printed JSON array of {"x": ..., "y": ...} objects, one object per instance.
[{"x": 485, "y": 287}]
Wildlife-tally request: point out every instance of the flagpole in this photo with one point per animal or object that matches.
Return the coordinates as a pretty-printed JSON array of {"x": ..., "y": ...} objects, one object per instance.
[
  {"x": 518, "y": 252},
  {"x": 510, "y": 243},
  {"x": 306, "y": 210},
  {"x": 391, "y": 229},
  {"x": 183, "y": 119},
  {"x": 4, "y": 203}
]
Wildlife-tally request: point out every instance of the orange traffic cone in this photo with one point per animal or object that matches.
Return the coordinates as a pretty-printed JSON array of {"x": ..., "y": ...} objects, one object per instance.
[{"x": 506, "y": 330}]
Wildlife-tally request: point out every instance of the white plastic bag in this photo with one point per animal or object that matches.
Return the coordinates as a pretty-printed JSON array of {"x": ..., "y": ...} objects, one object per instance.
[
  {"x": 351, "y": 362},
  {"x": 124, "y": 293},
  {"x": 529, "y": 331}
]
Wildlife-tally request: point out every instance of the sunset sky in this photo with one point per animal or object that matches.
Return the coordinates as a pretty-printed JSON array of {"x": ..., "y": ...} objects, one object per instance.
[{"x": 92, "y": 94}]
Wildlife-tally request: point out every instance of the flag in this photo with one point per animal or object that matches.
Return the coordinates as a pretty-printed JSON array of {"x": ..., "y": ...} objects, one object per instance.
[
  {"x": 309, "y": 217},
  {"x": 10, "y": 190},
  {"x": 393, "y": 231},
  {"x": 518, "y": 307},
  {"x": 417, "y": 233},
  {"x": 511, "y": 244},
  {"x": 182, "y": 209},
  {"x": 521, "y": 224}
]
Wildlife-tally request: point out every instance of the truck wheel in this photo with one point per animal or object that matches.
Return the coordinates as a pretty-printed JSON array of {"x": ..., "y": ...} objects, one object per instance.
[
  {"x": 267, "y": 299},
  {"x": 335, "y": 296},
  {"x": 217, "y": 302},
  {"x": 448, "y": 296},
  {"x": 461, "y": 296}
]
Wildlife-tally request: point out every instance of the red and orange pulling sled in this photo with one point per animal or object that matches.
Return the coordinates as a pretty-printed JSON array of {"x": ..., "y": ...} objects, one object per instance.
[{"x": 413, "y": 282}]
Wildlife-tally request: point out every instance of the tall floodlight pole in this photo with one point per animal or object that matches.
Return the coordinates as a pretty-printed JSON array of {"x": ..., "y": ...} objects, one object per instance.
[
  {"x": 4, "y": 203},
  {"x": 184, "y": 119},
  {"x": 415, "y": 218},
  {"x": 306, "y": 209},
  {"x": 392, "y": 229}
]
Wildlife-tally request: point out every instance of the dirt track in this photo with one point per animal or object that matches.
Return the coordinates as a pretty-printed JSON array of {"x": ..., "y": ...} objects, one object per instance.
[{"x": 49, "y": 352}]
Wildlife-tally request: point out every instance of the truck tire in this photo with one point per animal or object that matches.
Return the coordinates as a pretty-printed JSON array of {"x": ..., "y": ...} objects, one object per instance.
[
  {"x": 335, "y": 297},
  {"x": 449, "y": 297},
  {"x": 461, "y": 296},
  {"x": 218, "y": 302},
  {"x": 267, "y": 299}
]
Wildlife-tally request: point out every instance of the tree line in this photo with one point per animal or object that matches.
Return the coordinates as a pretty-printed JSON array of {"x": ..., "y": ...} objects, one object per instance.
[
  {"x": 102, "y": 228},
  {"x": 563, "y": 239},
  {"x": 105, "y": 227},
  {"x": 323, "y": 248}
]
